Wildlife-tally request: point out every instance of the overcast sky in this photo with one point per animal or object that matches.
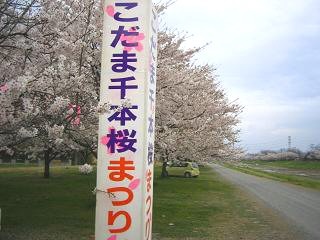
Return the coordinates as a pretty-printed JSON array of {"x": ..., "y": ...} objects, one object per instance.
[{"x": 267, "y": 54}]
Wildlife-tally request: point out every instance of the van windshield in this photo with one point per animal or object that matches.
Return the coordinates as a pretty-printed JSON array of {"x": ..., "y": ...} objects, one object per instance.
[{"x": 194, "y": 165}]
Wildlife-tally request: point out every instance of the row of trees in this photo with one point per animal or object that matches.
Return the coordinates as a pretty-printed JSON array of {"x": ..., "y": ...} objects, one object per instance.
[
  {"x": 194, "y": 118},
  {"x": 287, "y": 154},
  {"x": 49, "y": 87},
  {"x": 49, "y": 53}
]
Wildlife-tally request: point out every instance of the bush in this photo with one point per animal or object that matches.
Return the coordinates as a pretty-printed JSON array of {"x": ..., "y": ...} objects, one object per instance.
[{"x": 85, "y": 169}]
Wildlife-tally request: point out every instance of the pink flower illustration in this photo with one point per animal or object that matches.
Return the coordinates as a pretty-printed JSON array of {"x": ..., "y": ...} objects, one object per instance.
[
  {"x": 134, "y": 184},
  {"x": 105, "y": 140},
  {"x": 109, "y": 10},
  {"x": 133, "y": 39},
  {"x": 114, "y": 237}
]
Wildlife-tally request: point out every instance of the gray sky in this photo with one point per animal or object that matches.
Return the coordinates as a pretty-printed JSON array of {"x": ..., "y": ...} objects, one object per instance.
[{"x": 267, "y": 54}]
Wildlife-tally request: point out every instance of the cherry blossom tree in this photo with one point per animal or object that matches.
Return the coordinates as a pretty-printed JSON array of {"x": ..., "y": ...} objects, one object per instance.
[
  {"x": 49, "y": 89},
  {"x": 195, "y": 120},
  {"x": 313, "y": 153},
  {"x": 269, "y": 155}
]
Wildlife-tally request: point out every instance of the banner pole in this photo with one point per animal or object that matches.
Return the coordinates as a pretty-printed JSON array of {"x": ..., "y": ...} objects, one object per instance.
[{"x": 126, "y": 132}]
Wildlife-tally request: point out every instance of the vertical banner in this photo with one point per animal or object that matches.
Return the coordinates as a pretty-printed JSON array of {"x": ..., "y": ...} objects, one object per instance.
[{"x": 126, "y": 133}]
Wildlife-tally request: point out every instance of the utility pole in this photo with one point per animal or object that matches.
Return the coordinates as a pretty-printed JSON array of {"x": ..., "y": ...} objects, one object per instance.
[{"x": 289, "y": 142}]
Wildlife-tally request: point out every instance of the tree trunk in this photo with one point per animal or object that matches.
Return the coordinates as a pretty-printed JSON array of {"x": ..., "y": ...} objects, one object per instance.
[
  {"x": 164, "y": 172},
  {"x": 47, "y": 163},
  {"x": 75, "y": 158},
  {"x": 95, "y": 154}
]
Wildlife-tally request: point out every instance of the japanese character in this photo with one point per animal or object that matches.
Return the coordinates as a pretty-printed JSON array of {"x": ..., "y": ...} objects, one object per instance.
[
  {"x": 112, "y": 219},
  {"x": 127, "y": 6},
  {"x": 148, "y": 219},
  {"x": 125, "y": 143},
  {"x": 150, "y": 153},
  {"x": 153, "y": 47},
  {"x": 123, "y": 115},
  {"x": 134, "y": 39},
  {"x": 151, "y": 95},
  {"x": 119, "y": 169},
  {"x": 123, "y": 85},
  {"x": 125, "y": 37},
  {"x": 149, "y": 204},
  {"x": 121, "y": 202},
  {"x": 151, "y": 125},
  {"x": 123, "y": 140},
  {"x": 154, "y": 15},
  {"x": 152, "y": 74},
  {"x": 149, "y": 179},
  {"x": 154, "y": 42},
  {"x": 122, "y": 61},
  {"x": 112, "y": 140}
]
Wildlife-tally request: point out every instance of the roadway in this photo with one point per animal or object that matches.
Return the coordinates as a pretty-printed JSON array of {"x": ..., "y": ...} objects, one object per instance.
[{"x": 299, "y": 205}]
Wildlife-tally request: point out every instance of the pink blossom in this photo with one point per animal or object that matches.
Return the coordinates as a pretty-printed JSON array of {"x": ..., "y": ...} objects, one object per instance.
[
  {"x": 4, "y": 88},
  {"x": 74, "y": 120},
  {"x": 133, "y": 39}
]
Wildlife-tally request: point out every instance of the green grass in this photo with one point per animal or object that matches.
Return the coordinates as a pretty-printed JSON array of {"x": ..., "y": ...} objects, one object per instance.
[
  {"x": 17, "y": 165},
  {"x": 62, "y": 207},
  {"x": 299, "y": 165},
  {"x": 206, "y": 208},
  {"x": 37, "y": 208},
  {"x": 293, "y": 179},
  {"x": 190, "y": 204}
]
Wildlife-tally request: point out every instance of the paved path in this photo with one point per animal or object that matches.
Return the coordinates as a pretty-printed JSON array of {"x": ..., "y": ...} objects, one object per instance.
[{"x": 300, "y": 205}]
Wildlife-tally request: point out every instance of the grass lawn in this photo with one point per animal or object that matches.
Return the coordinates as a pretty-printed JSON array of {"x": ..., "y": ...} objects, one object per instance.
[
  {"x": 299, "y": 165},
  {"x": 304, "y": 181},
  {"x": 63, "y": 207},
  {"x": 38, "y": 208}
]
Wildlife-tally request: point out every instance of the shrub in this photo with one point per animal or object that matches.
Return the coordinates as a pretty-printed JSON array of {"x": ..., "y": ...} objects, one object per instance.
[{"x": 85, "y": 169}]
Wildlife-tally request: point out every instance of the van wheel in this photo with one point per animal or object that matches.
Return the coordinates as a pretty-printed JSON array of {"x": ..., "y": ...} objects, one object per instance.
[{"x": 187, "y": 175}]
